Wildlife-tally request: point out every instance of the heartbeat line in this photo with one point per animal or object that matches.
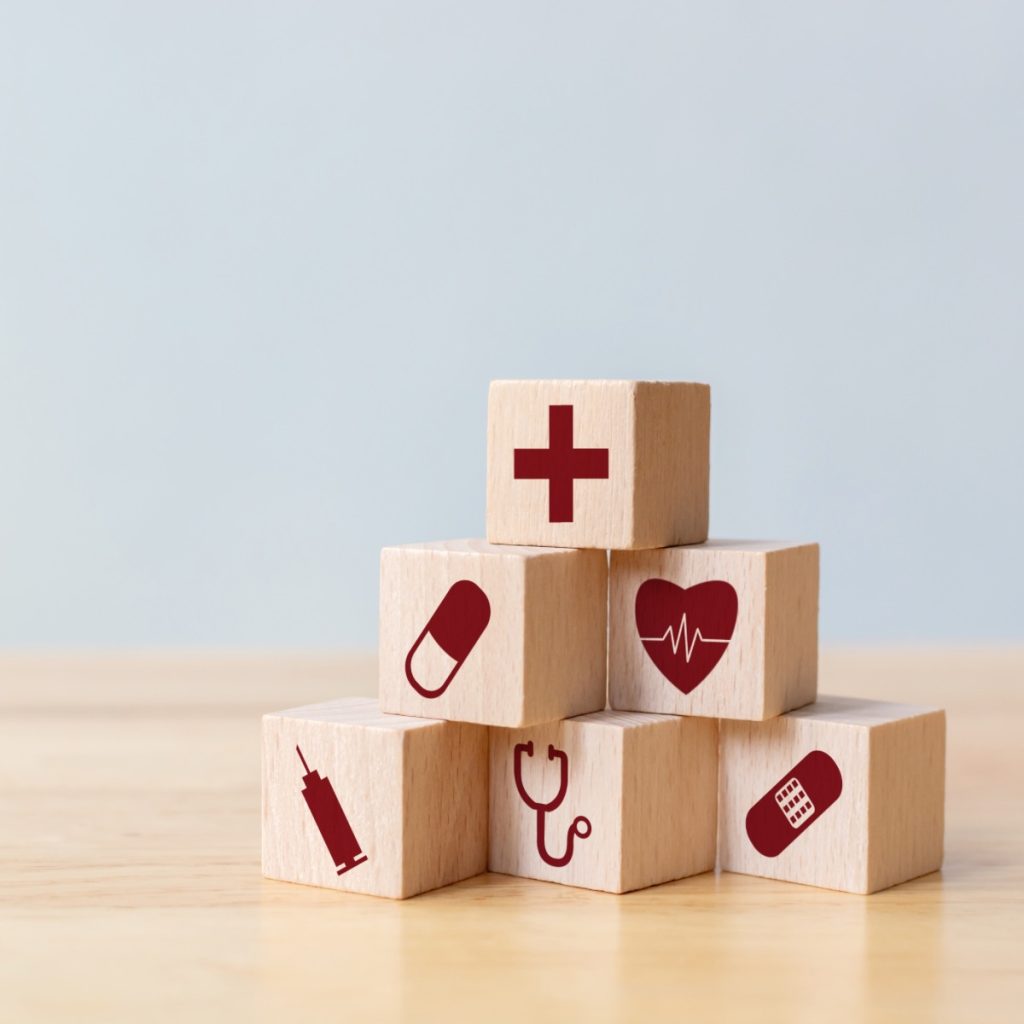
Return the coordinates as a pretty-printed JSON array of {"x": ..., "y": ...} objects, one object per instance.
[{"x": 681, "y": 635}]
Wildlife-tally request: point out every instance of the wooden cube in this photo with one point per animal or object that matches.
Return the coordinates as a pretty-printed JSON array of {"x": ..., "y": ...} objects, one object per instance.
[
  {"x": 845, "y": 794},
  {"x": 726, "y": 629},
  {"x": 597, "y": 463},
  {"x": 381, "y": 804},
  {"x": 612, "y": 800},
  {"x": 475, "y": 632}
]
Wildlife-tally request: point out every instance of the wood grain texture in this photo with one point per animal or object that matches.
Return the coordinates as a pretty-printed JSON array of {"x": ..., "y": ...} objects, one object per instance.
[
  {"x": 413, "y": 791},
  {"x": 542, "y": 654},
  {"x": 771, "y": 662},
  {"x": 646, "y": 785},
  {"x": 657, "y": 436},
  {"x": 130, "y": 884},
  {"x": 885, "y": 826}
]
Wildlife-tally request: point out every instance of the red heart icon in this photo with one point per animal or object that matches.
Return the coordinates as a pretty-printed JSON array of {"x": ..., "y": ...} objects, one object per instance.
[{"x": 685, "y": 630}]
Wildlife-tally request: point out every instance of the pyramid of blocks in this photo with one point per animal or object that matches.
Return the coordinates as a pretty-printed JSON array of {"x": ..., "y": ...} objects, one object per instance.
[{"x": 598, "y": 695}]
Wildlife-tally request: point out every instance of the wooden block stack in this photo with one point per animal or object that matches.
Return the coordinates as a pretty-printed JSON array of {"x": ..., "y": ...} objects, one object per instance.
[{"x": 613, "y": 723}]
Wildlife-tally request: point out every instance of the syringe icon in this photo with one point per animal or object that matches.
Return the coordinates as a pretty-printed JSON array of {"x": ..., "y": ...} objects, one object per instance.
[{"x": 337, "y": 833}]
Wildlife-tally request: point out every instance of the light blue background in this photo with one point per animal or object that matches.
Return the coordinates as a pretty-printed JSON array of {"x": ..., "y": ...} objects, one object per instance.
[{"x": 258, "y": 263}]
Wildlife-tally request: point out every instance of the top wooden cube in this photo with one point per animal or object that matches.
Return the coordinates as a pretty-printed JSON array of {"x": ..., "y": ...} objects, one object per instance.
[{"x": 617, "y": 464}]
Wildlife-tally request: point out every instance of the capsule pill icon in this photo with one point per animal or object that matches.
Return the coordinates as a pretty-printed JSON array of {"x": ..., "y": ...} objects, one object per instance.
[
  {"x": 794, "y": 803},
  {"x": 447, "y": 639}
]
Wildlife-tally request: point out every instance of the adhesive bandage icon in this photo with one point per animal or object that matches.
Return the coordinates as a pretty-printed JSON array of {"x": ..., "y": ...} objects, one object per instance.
[
  {"x": 447, "y": 639},
  {"x": 794, "y": 803}
]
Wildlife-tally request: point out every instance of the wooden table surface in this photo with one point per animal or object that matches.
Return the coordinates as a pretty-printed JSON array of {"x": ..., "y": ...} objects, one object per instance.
[{"x": 130, "y": 883}]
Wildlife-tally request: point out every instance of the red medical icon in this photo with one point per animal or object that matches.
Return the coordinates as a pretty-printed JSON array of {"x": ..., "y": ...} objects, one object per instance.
[
  {"x": 330, "y": 819},
  {"x": 580, "y": 827},
  {"x": 685, "y": 630},
  {"x": 456, "y": 625},
  {"x": 799, "y": 798},
  {"x": 560, "y": 464}
]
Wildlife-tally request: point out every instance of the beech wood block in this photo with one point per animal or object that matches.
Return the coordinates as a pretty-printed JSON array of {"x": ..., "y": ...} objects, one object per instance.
[
  {"x": 845, "y": 794},
  {"x": 597, "y": 463},
  {"x": 726, "y": 629},
  {"x": 612, "y": 800},
  {"x": 499, "y": 635},
  {"x": 366, "y": 802}
]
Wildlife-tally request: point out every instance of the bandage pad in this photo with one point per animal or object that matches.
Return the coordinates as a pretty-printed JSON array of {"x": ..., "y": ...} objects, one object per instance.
[{"x": 794, "y": 803}]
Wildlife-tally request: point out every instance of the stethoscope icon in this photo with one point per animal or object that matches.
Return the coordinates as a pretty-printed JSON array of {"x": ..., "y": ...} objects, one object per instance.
[{"x": 580, "y": 828}]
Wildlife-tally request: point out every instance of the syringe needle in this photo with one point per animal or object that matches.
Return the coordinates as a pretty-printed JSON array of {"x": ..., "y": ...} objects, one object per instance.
[{"x": 302, "y": 759}]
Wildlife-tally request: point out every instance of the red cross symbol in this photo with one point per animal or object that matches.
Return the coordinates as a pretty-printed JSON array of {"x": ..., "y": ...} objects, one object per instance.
[{"x": 560, "y": 464}]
